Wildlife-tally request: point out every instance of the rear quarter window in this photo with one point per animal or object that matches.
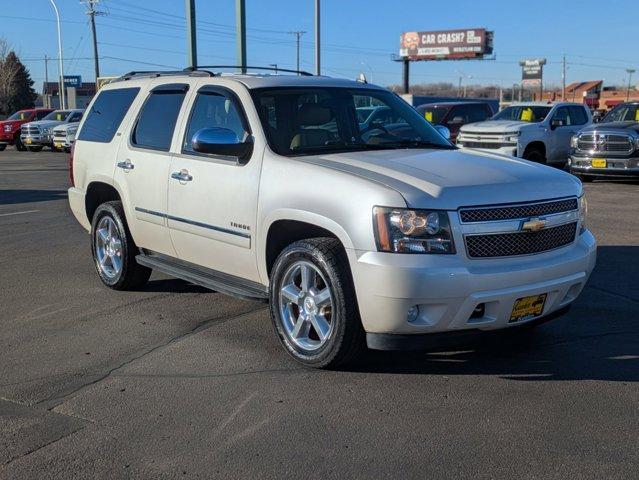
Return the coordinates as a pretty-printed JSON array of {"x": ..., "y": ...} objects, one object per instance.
[{"x": 106, "y": 114}]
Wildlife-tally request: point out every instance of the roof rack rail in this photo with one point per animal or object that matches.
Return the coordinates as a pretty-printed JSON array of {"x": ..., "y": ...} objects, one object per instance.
[
  {"x": 246, "y": 67},
  {"x": 159, "y": 73}
]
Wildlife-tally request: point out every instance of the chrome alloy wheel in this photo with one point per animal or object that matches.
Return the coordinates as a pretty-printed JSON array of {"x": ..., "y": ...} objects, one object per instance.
[
  {"x": 306, "y": 306},
  {"x": 108, "y": 248}
]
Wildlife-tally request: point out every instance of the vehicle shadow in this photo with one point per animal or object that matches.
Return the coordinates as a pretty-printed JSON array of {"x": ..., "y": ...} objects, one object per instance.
[
  {"x": 597, "y": 340},
  {"x": 12, "y": 197},
  {"x": 172, "y": 285}
]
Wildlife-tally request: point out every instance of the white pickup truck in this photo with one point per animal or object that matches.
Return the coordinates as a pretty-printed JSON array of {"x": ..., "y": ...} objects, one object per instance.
[{"x": 536, "y": 131}]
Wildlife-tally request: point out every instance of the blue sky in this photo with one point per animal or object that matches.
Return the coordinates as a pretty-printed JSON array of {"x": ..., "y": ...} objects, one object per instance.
[{"x": 599, "y": 38}]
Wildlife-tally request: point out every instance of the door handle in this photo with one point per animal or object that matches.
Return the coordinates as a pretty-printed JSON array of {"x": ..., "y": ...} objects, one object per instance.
[
  {"x": 183, "y": 175},
  {"x": 126, "y": 165}
]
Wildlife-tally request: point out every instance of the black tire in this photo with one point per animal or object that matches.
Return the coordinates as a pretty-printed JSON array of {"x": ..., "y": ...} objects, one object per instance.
[
  {"x": 585, "y": 178},
  {"x": 67, "y": 150},
  {"x": 346, "y": 338},
  {"x": 2, "y": 147},
  {"x": 535, "y": 155},
  {"x": 34, "y": 149},
  {"x": 18, "y": 143},
  {"x": 132, "y": 275}
]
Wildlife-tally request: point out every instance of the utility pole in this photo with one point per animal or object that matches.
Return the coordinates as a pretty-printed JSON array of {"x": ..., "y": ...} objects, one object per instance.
[
  {"x": 630, "y": 71},
  {"x": 240, "y": 27},
  {"x": 92, "y": 12},
  {"x": 317, "y": 38},
  {"x": 298, "y": 34},
  {"x": 191, "y": 39},
  {"x": 459, "y": 87},
  {"x": 563, "y": 80}
]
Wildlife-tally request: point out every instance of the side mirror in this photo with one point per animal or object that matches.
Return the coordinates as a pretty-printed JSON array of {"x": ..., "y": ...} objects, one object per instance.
[
  {"x": 556, "y": 122},
  {"x": 221, "y": 141},
  {"x": 443, "y": 131},
  {"x": 456, "y": 121}
]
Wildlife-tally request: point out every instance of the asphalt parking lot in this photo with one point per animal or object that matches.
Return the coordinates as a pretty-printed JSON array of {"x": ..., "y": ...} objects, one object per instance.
[{"x": 178, "y": 382}]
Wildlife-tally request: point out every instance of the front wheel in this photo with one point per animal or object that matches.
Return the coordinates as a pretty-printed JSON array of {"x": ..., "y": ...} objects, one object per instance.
[
  {"x": 535, "y": 155},
  {"x": 313, "y": 304},
  {"x": 18, "y": 143},
  {"x": 114, "y": 251}
]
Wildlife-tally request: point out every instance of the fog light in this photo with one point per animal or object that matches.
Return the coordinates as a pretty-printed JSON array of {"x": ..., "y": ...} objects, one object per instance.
[
  {"x": 479, "y": 311},
  {"x": 413, "y": 313}
]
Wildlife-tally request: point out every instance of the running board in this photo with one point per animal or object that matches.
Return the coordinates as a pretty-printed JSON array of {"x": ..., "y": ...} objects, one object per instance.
[{"x": 205, "y": 277}]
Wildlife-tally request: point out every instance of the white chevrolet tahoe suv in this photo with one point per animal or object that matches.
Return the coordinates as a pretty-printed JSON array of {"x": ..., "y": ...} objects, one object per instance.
[
  {"x": 538, "y": 132},
  {"x": 268, "y": 187}
]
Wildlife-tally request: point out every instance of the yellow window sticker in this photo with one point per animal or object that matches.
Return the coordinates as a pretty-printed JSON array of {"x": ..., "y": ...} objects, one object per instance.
[
  {"x": 59, "y": 117},
  {"x": 428, "y": 115},
  {"x": 637, "y": 115},
  {"x": 526, "y": 115}
]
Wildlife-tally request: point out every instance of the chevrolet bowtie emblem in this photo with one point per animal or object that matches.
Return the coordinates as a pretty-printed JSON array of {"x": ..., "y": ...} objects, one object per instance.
[{"x": 533, "y": 225}]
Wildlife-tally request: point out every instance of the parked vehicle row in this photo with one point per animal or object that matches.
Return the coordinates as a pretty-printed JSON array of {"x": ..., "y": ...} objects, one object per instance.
[
  {"x": 357, "y": 233},
  {"x": 36, "y": 128}
]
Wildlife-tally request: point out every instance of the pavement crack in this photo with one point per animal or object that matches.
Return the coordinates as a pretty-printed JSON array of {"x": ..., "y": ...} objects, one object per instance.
[{"x": 52, "y": 402}]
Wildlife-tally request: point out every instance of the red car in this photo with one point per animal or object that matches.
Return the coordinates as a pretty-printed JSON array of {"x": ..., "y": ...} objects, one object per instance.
[{"x": 10, "y": 128}]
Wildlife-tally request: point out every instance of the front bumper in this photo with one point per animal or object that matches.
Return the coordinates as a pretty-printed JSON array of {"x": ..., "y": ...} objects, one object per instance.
[
  {"x": 62, "y": 142},
  {"x": 615, "y": 167},
  {"x": 510, "y": 150},
  {"x": 42, "y": 140},
  {"x": 448, "y": 288}
]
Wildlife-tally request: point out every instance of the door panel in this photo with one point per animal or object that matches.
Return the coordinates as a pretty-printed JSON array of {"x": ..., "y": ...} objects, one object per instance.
[{"x": 212, "y": 199}]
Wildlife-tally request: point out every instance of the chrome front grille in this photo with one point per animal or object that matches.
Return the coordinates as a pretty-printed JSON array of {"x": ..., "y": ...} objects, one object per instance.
[
  {"x": 520, "y": 243},
  {"x": 491, "y": 145},
  {"x": 604, "y": 143},
  {"x": 511, "y": 212},
  {"x": 28, "y": 129}
]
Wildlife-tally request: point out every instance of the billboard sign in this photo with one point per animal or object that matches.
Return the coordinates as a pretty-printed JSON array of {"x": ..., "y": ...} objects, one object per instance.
[
  {"x": 532, "y": 72},
  {"x": 72, "y": 81},
  {"x": 446, "y": 44}
]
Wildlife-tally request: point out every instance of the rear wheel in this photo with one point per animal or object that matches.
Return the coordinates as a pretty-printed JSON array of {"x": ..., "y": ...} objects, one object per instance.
[
  {"x": 313, "y": 304},
  {"x": 2, "y": 147},
  {"x": 114, "y": 250}
]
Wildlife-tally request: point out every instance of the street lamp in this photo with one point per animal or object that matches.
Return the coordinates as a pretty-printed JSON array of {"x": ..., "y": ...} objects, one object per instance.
[
  {"x": 629, "y": 71},
  {"x": 63, "y": 104}
]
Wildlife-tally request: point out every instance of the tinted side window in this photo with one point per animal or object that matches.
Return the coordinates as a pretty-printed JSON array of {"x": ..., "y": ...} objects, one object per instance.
[
  {"x": 562, "y": 114},
  {"x": 213, "y": 109},
  {"x": 75, "y": 117},
  {"x": 106, "y": 114},
  {"x": 155, "y": 125},
  {"x": 578, "y": 116}
]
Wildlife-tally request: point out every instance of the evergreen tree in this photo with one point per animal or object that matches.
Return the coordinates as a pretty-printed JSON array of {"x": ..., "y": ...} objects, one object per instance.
[{"x": 16, "y": 86}]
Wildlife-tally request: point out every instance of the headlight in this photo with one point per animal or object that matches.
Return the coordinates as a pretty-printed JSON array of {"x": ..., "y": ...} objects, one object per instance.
[
  {"x": 401, "y": 230},
  {"x": 583, "y": 211},
  {"x": 637, "y": 144},
  {"x": 511, "y": 137},
  {"x": 46, "y": 130},
  {"x": 7, "y": 128},
  {"x": 573, "y": 141}
]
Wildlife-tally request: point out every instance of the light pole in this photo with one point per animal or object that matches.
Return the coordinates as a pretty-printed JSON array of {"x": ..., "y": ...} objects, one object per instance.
[
  {"x": 63, "y": 103},
  {"x": 629, "y": 71}
]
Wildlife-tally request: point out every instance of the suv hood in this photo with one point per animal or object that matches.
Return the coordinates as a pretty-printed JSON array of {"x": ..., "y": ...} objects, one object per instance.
[
  {"x": 65, "y": 127},
  {"x": 494, "y": 126},
  {"x": 449, "y": 179}
]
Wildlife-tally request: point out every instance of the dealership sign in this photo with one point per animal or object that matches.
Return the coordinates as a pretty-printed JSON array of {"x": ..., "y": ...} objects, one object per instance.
[
  {"x": 446, "y": 45},
  {"x": 532, "y": 72}
]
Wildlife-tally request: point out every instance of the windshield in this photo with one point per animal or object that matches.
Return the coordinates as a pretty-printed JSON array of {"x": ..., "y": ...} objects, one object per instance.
[
  {"x": 20, "y": 116},
  {"x": 311, "y": 121},
  {"x": 59, "y": 115},
  {"x": 622, "y": 113},
  {"x": 523, "y": 113},
  {"x": 434, "y": 115}
]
